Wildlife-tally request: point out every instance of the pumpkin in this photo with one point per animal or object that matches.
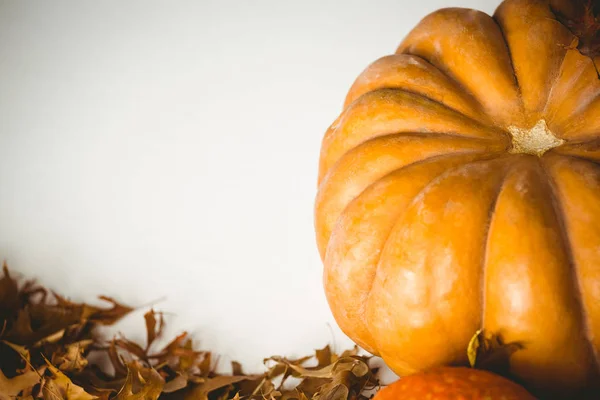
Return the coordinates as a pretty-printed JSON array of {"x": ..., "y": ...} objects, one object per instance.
[
  {"x": 459, "y": 190},
  {"x": 449, "y": 383}
]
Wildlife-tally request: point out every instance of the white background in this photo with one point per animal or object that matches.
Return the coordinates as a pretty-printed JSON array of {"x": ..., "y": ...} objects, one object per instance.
[{"x": 168, "y": 151}]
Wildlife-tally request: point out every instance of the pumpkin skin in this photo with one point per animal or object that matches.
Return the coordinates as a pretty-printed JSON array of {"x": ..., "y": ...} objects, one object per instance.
[
  {"x": 459, "y": 190},
  {"x": 458, "y": 383}
]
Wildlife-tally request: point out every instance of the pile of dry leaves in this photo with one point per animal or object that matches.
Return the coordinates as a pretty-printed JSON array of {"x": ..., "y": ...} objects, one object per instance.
[{"x": 50, "y": 349}]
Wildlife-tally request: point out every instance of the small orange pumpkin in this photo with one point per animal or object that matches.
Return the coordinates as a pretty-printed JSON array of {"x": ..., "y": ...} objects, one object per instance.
[
  {"x": 448, "y": 383},
  {"x": 459, "y": 189}
]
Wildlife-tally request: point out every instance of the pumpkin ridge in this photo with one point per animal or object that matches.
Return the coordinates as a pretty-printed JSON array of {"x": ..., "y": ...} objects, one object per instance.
[
  {"x": 486, "y": 245},
  {"x": 582, "y": 107},
  {"x": 582, "y": 141},
  {"x": 484, "y": 124},
  {"x": 493, "y": 132},
  {"x": 325, "y": 180},
  {"x": 480, "y": 124},
  {"x": 575, "y": 156},
  {"x": 555, "y": 83},
  {"x": 456, "y": 136},
  {"x": 428, "y": 145},
  {"x": 432, "y": 182},
  {"x": 558, "y": 72},
  {"x": 573, "y": 90},
  {"x": 452, "y": 77},
  {"x": 485, "y": 157},
  {"x": 564, "y": 234},
  {"x": 512, "y": 64},
  {"x": 588, "y": 150},
  {"x": 458, "y": 86},
  {"x": 451, "y": 170}
]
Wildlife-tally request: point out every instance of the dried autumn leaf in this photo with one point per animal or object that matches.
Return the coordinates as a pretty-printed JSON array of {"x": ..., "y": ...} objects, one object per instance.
[
  {"x": 98, "y": 315},
  {"x": 105, "y": 316},
  {"x": 264, "y": 388},
  {"x": 302, "y": 397},
  {"x": 324, "y": 356},
  {"x": 252, "y": 385},
  {"x": 14, "y": 359},
  {"x": 113, "y": 355},
  {"x": 201, "y": 391},
  {"x": 95, "y": 381},
  {"x": 50, "y": 322},
  {"x": 333, "y": 391},
  {"x": 281, "y": 368},
  {"x": 20, "y": 350},
  {"x": 282, "y": 363},
  {"x": 53, "y": 338},
  {"x": 31, "y": 289},
  {"x": 310, "y": 386},
  {"x": 101, "y": 394},
  {"x": 9, "y": 294},
  {"x": 71, "y": 358},
  {"x": 345, "y": 371},
  {"x": 141, "y": 384},
  {"x": 175, "y": 384},
  {"x": 59, "y": 386},
  {"x": 180, "y": 355},
  {"x": 204, "y": 366},
  {"x": 131, "y": 347},
  {"x": 11, "y": 388},
  {"x": 236, "y": 368},
  {"x": 20, "y": 332},
  {"x": 152, "y": 330}
]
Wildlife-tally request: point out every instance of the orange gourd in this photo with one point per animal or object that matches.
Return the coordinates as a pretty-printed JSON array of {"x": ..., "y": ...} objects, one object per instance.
[
  {"x": 459, "y": 190},
  {"x": 449, "y": 383}
]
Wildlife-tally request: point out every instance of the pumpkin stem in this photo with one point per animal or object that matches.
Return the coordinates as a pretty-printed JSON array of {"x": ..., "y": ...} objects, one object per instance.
[{"x": 536, "y": 140}]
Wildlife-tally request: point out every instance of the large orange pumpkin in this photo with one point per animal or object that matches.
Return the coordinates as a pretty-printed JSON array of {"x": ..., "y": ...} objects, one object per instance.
[{"x": 459, "y": 189}]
